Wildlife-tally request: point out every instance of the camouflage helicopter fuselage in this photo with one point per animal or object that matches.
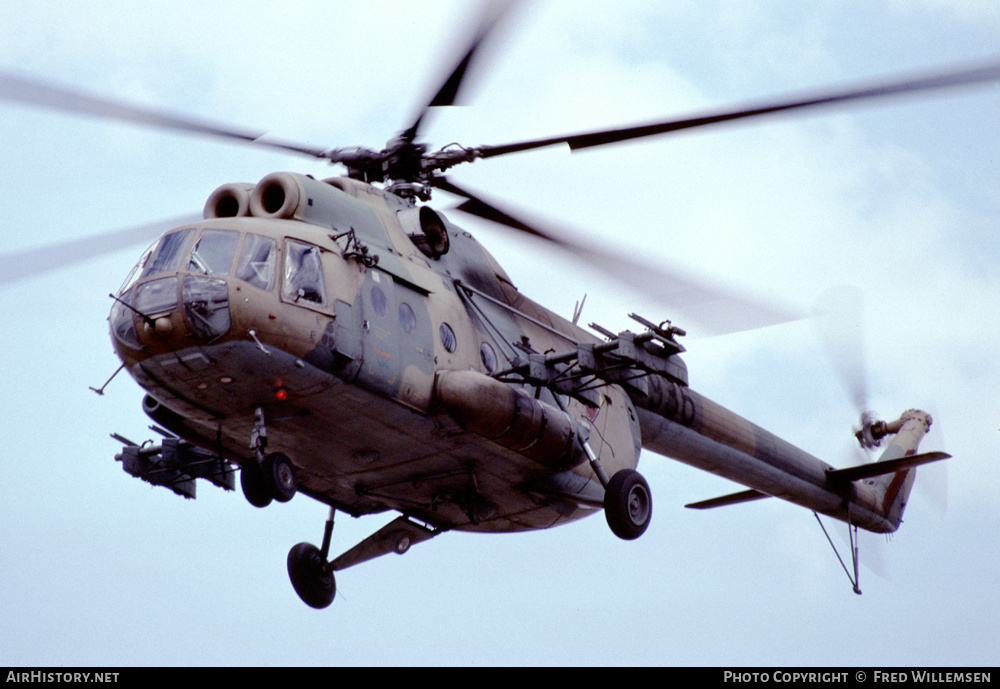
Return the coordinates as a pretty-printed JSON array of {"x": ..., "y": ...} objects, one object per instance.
[{"x": 389, "y": 356}]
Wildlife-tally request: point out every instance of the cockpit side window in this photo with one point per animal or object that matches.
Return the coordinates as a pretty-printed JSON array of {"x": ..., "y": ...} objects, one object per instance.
[
  {"x": 303, "y": 275},
  {"x": 256, "y": 264},
  {"x": 170, "y": 252},
  {"x": 214, "y": 252}
]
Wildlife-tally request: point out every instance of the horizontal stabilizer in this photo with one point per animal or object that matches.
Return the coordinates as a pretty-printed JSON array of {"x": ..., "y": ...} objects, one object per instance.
[
  {"x": 732, "y": 499},
  {"x": 887, "y": 467}
]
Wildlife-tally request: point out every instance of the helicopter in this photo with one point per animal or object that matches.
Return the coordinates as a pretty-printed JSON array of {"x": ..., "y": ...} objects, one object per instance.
[{"x": 295, "y": 335}]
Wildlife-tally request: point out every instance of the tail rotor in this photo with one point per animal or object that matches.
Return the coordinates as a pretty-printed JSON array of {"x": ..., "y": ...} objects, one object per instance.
[{"x": 839, "y": 322}]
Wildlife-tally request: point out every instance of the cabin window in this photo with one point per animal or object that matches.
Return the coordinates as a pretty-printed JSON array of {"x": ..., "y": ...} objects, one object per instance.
[
  {"x": 214, "y": 252},
  {"x": 303, "y": 275},
  {"x": 489, "y": 357},
  {"x": 256, "y": 264},
  {"x": 379, "y": 301},
  {"x": 447, "y": 337},
  {"x": 407, "y": 318}
]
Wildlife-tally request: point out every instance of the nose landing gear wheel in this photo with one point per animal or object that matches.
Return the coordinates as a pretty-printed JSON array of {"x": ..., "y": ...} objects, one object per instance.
[
  {"x": 252, "y": 482},
  {"x": 628, "y": 504},
  {"x": 272, "y": 479},
  {"x": 279, "y": 475},
  {"x": 310, "y": 575}
]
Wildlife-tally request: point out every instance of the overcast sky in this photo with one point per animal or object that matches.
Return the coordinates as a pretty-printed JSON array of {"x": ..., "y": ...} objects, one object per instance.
[{"x": 900, "y": 200}]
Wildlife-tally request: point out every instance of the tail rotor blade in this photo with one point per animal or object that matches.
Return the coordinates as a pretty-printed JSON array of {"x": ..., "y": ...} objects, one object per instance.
[
  {"x": 932, "y": 479},
  {"x": 839, "y": 323}
]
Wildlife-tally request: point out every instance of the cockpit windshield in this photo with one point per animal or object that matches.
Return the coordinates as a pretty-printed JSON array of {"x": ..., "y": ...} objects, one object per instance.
[
  {"x": 170, "y": 252},
  {"x": 257, "y": 259},
  {"x": 214, "y": 252},
  {"x": 220, "y": 252},
  {"x": 188, "y": 267}
]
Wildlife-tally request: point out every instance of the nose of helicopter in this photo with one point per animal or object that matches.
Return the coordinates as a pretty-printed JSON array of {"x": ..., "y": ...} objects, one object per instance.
[
  {"x": 201, "y": 318},
  {"x": 180, "y": 287},
  {"x": 183, "y": 285}
]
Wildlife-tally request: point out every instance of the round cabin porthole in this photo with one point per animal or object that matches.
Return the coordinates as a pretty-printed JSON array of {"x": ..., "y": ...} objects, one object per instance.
[
  {"x": 489, "y": 357},
  {"x": 407, "y": 319},
  {"x": 447, "y": 337},
  {"x": 379, "y": 302}
]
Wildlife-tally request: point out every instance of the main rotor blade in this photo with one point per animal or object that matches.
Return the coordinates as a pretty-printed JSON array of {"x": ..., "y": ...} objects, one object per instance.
[
  {"x": 448, "y": 92},
  {"x": 474, "y": 205},
  {"x": 29, "y": 91},
  {"x": 20, "y": 265},
  {"x": 718, "y": 310},
  {"x": 968, "y": 76}
]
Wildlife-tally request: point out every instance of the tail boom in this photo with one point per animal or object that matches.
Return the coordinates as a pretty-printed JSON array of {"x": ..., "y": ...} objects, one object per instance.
[{"x": 699, "y": 432}]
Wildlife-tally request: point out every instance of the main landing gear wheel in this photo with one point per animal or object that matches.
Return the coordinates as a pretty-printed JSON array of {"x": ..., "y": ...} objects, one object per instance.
[
  {"x": 628, "y": 504},
  {"x": 311, "y": 576}
]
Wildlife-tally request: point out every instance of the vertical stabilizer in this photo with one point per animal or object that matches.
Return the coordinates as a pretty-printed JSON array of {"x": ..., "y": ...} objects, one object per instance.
[{"x": 894, "y": 489}]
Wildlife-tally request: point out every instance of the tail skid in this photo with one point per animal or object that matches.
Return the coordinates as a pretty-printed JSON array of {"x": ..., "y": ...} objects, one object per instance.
[{"x": 852, "y": 532}]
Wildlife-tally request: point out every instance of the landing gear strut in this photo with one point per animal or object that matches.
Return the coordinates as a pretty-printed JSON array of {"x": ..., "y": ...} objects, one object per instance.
[{"x": 312, "y": 573}]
